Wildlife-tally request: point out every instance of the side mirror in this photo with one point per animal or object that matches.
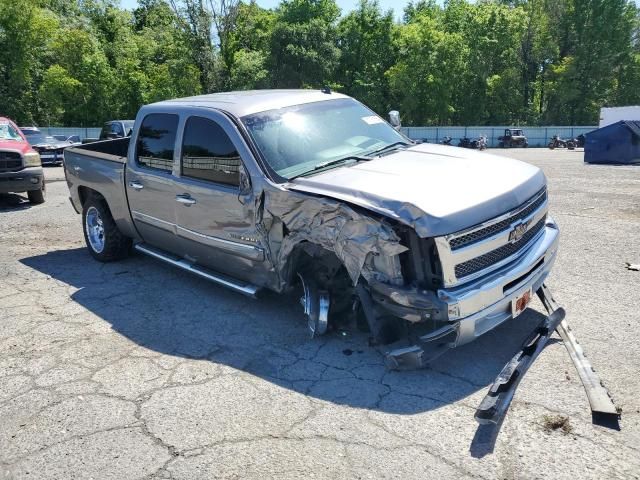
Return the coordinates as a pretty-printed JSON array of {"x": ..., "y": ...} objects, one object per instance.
[
  {"x": 244, "y": 185},
  {"x": 394, "y": 119}
]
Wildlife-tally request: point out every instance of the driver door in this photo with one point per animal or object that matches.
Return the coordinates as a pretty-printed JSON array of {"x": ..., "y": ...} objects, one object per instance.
[{"x": 214, "y": 228}]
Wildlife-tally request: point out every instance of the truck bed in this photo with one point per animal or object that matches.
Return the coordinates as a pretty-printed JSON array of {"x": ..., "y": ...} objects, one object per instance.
[
  {"x": 112, "y": 150},
  {"x": 100, "y": 167}
]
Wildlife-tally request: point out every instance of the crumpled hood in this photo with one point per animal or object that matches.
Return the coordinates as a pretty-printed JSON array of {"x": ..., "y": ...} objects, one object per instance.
[{"x": 436, "y": 189}]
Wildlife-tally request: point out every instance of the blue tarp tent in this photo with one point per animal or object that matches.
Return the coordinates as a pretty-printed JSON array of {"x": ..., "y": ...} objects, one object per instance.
[{"x": 616, "y": 143}]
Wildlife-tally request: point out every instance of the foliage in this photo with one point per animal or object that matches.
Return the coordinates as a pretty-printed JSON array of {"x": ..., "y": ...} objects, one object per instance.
[{"x": 80, "y": 62}]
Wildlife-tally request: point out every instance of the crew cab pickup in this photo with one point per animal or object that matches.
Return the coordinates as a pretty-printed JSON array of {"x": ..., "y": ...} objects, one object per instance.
[{"x": 311, "y": 190}]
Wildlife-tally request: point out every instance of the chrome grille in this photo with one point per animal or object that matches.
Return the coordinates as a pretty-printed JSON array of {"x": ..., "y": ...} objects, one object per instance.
[
  {"x": 476, "y": 251},
  {"x": 10, "y": 161},
  {"x": 486, "y": 232},
  {"x": 491, "y": 258}
]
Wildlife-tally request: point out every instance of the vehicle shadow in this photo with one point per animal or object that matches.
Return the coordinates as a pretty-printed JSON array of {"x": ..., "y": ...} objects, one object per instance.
[
  {"x": 169, "y": 311},
  {"x": 10, "y": 202}
]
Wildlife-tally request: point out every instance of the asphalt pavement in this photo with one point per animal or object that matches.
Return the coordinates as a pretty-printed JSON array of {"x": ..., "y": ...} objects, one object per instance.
[{"x": 137, "y": 370}]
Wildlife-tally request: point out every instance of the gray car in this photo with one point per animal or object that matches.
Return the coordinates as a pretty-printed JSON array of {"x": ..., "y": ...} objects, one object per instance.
[{"x": 311, "y": 190}]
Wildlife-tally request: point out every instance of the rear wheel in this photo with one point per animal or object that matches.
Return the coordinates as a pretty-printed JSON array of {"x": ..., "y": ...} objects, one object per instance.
[
  {"x": 105, "y": 242},
  {"x": 37, "y": 196}
]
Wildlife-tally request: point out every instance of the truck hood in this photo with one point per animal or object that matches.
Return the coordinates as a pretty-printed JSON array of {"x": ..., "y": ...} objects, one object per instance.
[
  {"x": 15, "y": 146},
  {"x": 435, "y": 189}
]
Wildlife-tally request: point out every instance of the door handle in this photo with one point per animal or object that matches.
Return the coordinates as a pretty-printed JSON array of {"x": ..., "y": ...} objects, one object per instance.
[
  {"x": 136, "y": 185},
  {"x": 185, "y": 199}
]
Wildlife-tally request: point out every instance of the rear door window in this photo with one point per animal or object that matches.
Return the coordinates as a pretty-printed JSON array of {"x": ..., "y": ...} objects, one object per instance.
[
  {"x": 208, "y": 153},
  {"x": 156, "y": 141}
]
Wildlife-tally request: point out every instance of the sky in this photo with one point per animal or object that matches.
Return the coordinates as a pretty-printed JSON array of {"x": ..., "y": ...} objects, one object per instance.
[{"x": 345, "y": 5}]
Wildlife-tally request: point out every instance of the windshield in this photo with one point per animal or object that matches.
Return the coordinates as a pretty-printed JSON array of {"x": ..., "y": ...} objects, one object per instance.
[
  {"x": 296, "y": 140},
  {"x": 9, "y": 132},
  {"x": 30, "y": 131}
]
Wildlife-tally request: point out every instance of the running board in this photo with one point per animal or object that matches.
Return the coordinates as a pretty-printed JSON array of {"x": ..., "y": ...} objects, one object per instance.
[{"x": 236, "y": 285}]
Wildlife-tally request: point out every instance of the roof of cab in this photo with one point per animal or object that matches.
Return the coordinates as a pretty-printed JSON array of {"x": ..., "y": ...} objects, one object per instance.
[{"x": 249, "y": 102}]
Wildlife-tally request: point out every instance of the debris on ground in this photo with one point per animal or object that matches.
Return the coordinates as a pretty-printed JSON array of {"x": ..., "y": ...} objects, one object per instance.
[
  {"x": 633, "y": 266},
  {"x": 557, "y": 422}
]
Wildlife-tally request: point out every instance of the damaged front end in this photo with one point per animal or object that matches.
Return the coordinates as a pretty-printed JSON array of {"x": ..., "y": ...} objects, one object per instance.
[
  {"x": 459, "y": 286},
  {"x": 435, "y": 292}
]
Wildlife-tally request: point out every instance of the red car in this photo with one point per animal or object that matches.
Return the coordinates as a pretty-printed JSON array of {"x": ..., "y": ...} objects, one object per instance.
[{"x": 20, "y": 165}]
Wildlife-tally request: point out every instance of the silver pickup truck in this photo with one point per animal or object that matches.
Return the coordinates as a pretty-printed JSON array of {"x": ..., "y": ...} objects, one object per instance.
[{"x": 427, "y": 246}]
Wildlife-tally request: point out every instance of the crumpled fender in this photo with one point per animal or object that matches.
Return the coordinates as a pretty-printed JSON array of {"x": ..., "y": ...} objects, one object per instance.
[{"x": 334, "y": 225}]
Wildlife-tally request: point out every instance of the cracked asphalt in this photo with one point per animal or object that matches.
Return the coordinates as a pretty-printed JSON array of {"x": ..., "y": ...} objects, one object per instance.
[{"x": 137, "y": 370}]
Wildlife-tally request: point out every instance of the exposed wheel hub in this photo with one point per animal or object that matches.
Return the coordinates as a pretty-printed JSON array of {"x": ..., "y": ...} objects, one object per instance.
[{"x": 315, "y": 303}]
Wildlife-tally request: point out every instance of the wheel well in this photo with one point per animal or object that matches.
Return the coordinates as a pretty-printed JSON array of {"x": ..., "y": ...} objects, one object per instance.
[
  {"x": 328, "y": 272},
  {"x": 84, "y": 193},
  {"x": 311, "y": 257}
]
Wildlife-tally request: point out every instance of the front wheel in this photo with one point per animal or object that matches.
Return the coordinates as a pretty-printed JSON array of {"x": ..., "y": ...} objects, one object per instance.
[
  {"x": 37, "y": 196},
  {"x": 552, "y": 145},
  {"x": 105, "y": 242}
]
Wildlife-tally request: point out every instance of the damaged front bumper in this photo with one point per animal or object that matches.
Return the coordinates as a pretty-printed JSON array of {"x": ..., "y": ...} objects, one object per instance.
[{"x": 468, "y": 311}]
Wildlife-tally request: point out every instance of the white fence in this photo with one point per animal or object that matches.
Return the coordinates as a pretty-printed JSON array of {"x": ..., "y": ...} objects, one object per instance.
[
  {"x": 81, "y": 131},
  {"x": 536, "y": 136}
]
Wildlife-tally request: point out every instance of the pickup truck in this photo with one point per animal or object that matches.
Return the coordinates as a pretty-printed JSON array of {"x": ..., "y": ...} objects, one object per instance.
[
  {"x": 427, "y": 246},
  {"x": 20, "y": 165}
]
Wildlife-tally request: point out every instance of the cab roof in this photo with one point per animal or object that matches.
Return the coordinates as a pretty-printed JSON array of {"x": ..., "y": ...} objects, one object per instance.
[{"x": 248, "y": 102}]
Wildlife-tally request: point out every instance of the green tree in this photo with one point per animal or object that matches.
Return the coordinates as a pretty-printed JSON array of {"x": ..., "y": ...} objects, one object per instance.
[
  {"x": 24, "y": 32},
  {"x": 429, "y": 70},
  {"x": 79, "y": 86},
  {"x": 365, "y": 39},
  {"x": 303, "y": 51},
  {"x": 595, "y": 47}
]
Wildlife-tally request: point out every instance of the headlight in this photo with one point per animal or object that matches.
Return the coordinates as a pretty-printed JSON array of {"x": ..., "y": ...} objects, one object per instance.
[{"x": 32, "y": 159}]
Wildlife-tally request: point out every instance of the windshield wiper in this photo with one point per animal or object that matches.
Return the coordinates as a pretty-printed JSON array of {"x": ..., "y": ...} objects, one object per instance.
[
  {"x": 329, "y": 163},
  {"x": 388, "y": 147}
]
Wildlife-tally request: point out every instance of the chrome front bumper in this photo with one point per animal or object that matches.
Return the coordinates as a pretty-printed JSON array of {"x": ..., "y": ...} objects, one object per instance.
[
  {"x": 484, "y": 304},
  {"x": 479, "y": 306}
]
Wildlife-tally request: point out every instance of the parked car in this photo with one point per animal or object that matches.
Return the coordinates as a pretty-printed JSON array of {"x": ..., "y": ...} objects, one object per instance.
[
  {"x": 513, "y": 137},
  {"x": 20, "y": 167},
  {"x": 75, "y": 139},
  {"x": 116, "y": 129},
  {"x": 28, "y": 131},
  {"x": 50, "y": 149},
  {"x": 557, "y": 142},
  {"x": 311, "y": 190},
  {"x": 113, "y": 129}
]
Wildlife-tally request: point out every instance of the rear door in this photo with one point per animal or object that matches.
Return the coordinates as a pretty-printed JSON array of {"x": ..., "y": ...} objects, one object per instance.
[
  {"x": 149, "y": 180},
  {"x": 212, "y": 224}
]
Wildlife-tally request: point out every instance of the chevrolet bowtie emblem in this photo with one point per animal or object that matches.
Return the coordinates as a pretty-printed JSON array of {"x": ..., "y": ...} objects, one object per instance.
[{"x": 518, "y": 231}]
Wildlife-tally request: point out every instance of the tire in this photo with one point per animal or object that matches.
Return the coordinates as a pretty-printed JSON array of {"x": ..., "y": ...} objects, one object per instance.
[
  {"x": 501, "y": 144},
  {"x": 105, "y": 242},
  {"x": 571, "y": 146},
  {"x": 551, "y": 145},
  {"x": 525, "y": 145},
  {"x": 37, "y": 196}
]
